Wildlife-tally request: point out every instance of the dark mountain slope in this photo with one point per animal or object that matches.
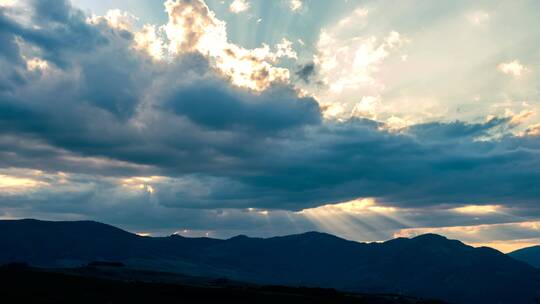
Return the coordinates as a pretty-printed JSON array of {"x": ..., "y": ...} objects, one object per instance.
[
  {"x": 530, "y": 255},
  {"x": 27, "y": 285}
]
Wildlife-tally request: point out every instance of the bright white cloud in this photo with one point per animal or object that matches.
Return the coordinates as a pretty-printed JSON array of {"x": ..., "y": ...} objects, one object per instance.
[
  {"x": 295, "y": 5},
  {"x": 37, "y": 64},
  {"x": 348, "y": 61},
  {"x": 193, "y": 27},
  {"x": 7, "y": 2},
  {"x": 115, "y": 18},
  {"x": 514, "y": 68},
  {"x": 238, "y": 6},
  {"x": 349, "y": 66},
  {"x": 284, "y": 49},
  {"x": 148, "y": 40},
  {"x": 367, "y": 107}
]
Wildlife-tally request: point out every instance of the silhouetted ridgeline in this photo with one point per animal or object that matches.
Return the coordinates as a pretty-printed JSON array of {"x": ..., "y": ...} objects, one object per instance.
[
  {"x": 529, "y": 255},
  {"x": 428, "y": 266}
]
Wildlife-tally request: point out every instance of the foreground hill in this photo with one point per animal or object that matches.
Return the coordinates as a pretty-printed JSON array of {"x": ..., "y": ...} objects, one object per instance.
[
  {"x": 103, "y": 285},
  {"x": 428, "y": 266},
  {"x": 530, "y": 255}
]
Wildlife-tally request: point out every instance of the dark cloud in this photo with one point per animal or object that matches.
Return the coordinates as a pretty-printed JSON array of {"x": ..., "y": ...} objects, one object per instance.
[
  {"x": 457, "y": 130},
  {"x": 306, "y": 72},
  {"x": 8, "y": 47},
  {"x": 107, "y": 110},
  {"x": 61, "y": 31},
  {"x": 216, "y": 105}
]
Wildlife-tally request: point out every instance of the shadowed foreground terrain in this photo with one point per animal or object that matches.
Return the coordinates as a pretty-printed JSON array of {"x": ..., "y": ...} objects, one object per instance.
[{"x": 19, "y": 284}]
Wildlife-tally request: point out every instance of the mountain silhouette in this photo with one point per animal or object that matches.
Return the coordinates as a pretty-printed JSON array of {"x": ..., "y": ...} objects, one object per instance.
[
  {"x": 428, "y": 266},
  {"x": 530, "y": 255}
]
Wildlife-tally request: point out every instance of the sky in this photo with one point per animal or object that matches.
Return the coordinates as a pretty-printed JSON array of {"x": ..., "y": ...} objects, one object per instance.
[{"x": 369, "y": 120}]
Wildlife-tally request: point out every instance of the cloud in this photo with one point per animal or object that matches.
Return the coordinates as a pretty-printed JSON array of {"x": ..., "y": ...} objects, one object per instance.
[
  {"x": 216, "y": 106},
  {"x": 306, "y": 72},
  {"x": 517, "y": 119},
  {"x": 474, "y": 209},
  {"x": 161, "y": 129},
  {"x": 514, "y": 68},
  {"x": 15, "y": 184},
  {"x": 116, "y": 19},
  {"x": 533, "y": 130},
  {"x": 430, "y": 84},
  {"x": 193, "y": 27},
  {"x": 36, "y": 64},
  {"x": 348, "y": 63},
  {"x": 58, "y": 30},
  {"x": 238, "y": 6},
  {"x": 149, "y": 41},
  {"x": 7, "y": 2},
  {"x": 284, "y": 50},
  {"x": 295, "y": 5}
]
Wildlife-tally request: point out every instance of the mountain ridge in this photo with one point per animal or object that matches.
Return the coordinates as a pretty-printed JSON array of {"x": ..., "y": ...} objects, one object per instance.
[{"x": 529, "y": 255}]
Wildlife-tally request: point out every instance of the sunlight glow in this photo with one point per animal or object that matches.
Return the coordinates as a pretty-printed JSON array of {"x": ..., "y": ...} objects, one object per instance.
[
  {"x": 508, "y": 246},
  {"x": 142, "y": 183},
  {"x": 148, "y": 40},
  {"x": 478, "y": 209},
  {"x": 359, "y": 219},
  {"x": 258, "y": 211},
  {"x": 483, "y": 235},
  {"x": 357, "y": 206},
  {"x": 37, "y": 64},
  {"x": 18, "y": 184}
]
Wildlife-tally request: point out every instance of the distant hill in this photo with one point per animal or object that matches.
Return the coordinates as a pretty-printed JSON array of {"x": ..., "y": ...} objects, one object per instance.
[
  {"x": 428, "y": 266},
  {"x": 530, "y": 255}
]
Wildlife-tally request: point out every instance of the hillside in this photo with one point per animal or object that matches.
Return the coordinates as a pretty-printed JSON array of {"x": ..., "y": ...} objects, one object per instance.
[
  {"x": 88, "y": 285},
  {"x": 530, "y": 255}
]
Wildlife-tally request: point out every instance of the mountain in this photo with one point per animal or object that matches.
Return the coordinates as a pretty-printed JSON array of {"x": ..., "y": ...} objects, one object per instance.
[
  {"x": 530, "y": 255},
  {"x": 428, "y": 266}
]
